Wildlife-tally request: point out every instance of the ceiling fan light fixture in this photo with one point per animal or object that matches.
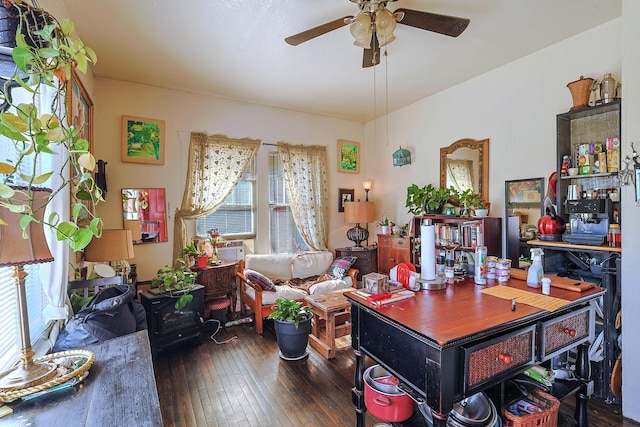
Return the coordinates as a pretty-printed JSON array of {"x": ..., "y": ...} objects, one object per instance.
[
  {"x": 361, "y": 30},
  {"x": 385, "y": 26}
]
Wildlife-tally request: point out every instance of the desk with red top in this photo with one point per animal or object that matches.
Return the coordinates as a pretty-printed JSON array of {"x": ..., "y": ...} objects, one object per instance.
[{"x": 450, "y": 344}]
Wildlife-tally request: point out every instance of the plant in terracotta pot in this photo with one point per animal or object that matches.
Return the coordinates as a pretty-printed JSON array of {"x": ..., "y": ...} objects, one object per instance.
[
  {"x": 193, "y": 255},
  {"x": 35, "y": 135},
  {"x": 292, "y": 322},
  {"x": 176, "y": 281}
]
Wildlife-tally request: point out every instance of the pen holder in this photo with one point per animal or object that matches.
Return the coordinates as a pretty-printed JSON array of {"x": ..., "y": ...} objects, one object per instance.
[{"x": 375, "y": 283}]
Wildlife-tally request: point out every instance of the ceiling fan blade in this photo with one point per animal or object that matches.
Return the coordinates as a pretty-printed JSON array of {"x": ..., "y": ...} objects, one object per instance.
[
  {"x": 371, "y": 57},
  {"x": 442, "y": 24},
  {"x": 314, "y": 32}
]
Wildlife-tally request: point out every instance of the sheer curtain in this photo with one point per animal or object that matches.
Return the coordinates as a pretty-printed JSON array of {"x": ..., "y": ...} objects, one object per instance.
[
  {"x": 305, "y": 171},
  {"x": 460, "y": 172},
  {"x": 216, "y": 164}
]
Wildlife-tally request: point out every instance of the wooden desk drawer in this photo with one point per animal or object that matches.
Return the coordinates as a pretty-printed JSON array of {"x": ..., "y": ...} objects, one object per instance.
[
  {"x": 500, "y": 356},
  {"x": 394, "y": 242},
  {"x": 562, "y": 333}
]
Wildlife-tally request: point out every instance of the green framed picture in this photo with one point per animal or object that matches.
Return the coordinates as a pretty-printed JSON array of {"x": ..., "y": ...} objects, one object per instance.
[
  {"x": 348, "y": 156},
  {"x": 142, "y": 140}
]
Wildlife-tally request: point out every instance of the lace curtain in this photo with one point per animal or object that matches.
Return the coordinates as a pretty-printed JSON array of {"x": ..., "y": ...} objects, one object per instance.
[
  {"x": 460, "y": 173},
  {"x": 216, "y": 164},
  {"x": 305, "y": 173}
]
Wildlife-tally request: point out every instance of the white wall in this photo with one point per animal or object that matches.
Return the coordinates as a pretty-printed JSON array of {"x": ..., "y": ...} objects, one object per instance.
[
  {"x": 630, "y": 210},
  {"x": 185, "y": 112},
  {"x": 515, "y": 106}
]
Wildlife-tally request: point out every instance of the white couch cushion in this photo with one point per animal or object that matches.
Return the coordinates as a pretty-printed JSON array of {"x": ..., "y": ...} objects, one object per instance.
[
  {"x": 330, "y": 286},
  {"x": 282, "y": 291},
  {"x": 312, "y": 263},
  {"x": 274, "y": 266}
]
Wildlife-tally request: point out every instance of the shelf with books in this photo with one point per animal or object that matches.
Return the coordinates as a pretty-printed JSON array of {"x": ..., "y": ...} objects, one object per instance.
[{"x": 461, "y": 233}]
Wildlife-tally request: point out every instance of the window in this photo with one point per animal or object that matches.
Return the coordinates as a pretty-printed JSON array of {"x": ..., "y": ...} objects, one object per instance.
[
  {"x": 235, "y": 218},
  {"x": 285, "y": 237},
  {"x": 36, "y": 300}
]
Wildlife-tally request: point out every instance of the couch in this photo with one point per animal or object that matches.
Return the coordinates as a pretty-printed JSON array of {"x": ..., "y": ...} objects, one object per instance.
[{"x": 265, "y": 278}]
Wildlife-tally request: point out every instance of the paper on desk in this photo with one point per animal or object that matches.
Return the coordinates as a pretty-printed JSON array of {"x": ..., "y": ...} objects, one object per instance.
[
  {"x": 544, "y": 302},
  {"x": 397, "y": 296}
]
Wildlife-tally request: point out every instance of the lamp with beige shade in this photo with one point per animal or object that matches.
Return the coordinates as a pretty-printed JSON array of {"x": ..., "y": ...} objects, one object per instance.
[{"x": 358, "y": 212}]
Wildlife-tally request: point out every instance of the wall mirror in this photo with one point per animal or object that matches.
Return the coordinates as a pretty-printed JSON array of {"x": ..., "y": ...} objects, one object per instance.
[
  {"x": 145, "y": 214},
  {"x": 465, "y": 164}
]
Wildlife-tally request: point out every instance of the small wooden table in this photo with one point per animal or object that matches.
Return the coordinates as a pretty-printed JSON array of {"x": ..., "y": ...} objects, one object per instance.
[
  {"x": 331, "y": 320},
  {"x": 219, "y": 280}
]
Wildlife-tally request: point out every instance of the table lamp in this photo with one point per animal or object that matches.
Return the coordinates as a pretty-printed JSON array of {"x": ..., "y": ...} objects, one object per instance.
[
  {"x": 114, "y": 246},
  {"x": 358, "y": 212},
  {"x": 16, "y": 252}
]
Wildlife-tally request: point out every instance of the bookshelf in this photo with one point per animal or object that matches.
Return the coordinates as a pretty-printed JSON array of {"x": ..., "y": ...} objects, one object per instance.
[{"x": 461, "y": 232}]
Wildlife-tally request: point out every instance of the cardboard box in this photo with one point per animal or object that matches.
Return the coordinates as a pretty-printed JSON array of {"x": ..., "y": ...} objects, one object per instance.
[
  {"x": 601, "y": 163},
  {"x": 375, "y": 283},
  {"x": 613, "y": 154},
  {"x": 585, "y": 164}
]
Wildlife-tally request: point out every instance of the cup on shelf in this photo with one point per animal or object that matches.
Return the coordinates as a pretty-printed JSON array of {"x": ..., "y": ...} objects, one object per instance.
[{"x": 572, "y": 171}]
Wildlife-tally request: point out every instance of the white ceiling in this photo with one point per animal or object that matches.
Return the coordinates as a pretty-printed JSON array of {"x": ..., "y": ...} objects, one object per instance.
[{"x": 236, "y": 48}]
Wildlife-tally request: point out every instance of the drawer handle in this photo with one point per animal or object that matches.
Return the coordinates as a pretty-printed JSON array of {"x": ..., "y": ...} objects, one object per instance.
[
  {"x": 400, "y": 242},
  {"x": 506, "y": 358},
  {"x": 570, "y": 332},
  {"x": 393, "y": 259}
]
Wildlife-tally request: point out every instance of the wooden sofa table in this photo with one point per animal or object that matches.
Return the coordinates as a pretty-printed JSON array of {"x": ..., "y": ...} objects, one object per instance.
[{"x": 331, "y": 320}]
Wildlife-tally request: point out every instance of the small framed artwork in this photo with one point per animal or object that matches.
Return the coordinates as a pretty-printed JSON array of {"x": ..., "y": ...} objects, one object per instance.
[
  {"x": 142, "y": 140},
  {"x": 344, "y": 195},
  {"x": 80, "y": 109},
  {"x": 348, "y": 156}
]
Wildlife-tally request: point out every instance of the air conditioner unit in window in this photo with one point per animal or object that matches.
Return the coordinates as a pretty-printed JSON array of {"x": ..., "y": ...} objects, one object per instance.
[{"x": 234, "y": 251}]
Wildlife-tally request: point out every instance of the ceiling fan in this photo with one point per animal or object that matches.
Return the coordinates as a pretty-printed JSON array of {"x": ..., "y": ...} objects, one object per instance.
[{"x": 374, "y": 25}]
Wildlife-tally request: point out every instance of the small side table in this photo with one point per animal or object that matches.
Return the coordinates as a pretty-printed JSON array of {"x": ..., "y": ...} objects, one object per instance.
[
  {"x": 331, "y": 320},
  {"x": 219, "y": 281},
  {"x": 367, "y": 261}
]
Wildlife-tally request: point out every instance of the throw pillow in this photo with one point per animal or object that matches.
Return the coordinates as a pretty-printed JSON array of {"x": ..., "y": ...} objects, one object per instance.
[
  {"x": 340, "y": 266},
  {"x": 259, "y": 279}
]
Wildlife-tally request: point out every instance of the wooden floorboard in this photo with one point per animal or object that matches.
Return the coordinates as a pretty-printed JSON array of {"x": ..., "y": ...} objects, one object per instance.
[{"x": 245, "y": 383}]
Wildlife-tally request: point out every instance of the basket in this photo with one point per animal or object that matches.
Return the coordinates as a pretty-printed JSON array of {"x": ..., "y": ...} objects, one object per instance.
[{"x": 547, "y": 418}]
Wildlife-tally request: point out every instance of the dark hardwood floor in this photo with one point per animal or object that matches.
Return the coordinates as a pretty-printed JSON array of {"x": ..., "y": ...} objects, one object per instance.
[{"x": 245, "y": 383}]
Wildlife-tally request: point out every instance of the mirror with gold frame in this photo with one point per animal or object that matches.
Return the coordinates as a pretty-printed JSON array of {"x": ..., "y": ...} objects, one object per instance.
[
  {"x": 465, "y": 164},
  {"x": 145, "y": 214}
]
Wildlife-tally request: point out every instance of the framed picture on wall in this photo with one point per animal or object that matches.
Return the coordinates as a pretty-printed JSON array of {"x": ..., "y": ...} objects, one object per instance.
[
  {"x": 344, "y": 195},
  {"x": 348, "y": 156},
  {"x": 80, "y": 109},
  {"x": 142, "y": 140}
]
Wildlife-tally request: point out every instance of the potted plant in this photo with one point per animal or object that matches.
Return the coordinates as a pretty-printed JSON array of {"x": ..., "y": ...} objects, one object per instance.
[
  {"x": 384, "y": 224},
  {"x": 176, "y": 281},
  {"x": 471, "y": 201},
  {"x": 292, "y": 322},
  {"x": 195, "y": 255},
  {"x": 428, "y": 199},
  {"x": 48, "y": 62}
]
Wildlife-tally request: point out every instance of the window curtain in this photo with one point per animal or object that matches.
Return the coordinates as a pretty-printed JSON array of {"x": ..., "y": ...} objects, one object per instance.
[
  {"x": 216, "y": 164},
  {"x": 460, "y": 172},
  {"x": 305, "y": 173}
]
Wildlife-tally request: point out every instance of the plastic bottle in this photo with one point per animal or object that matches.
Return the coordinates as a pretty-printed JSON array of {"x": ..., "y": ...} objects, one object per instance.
[
  {"x": 449, "y": 272},
  {"x": 536, "y": 272}
]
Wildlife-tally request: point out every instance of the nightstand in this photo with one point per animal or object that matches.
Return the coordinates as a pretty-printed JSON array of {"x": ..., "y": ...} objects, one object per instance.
[{"x": 367, "y": 261}]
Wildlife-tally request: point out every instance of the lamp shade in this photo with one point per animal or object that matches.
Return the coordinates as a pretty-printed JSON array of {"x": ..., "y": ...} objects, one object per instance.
[
  {"x": 359, "y": 212},
  {"x": 14, "y": 248},
  {"x": 114, "y": 245}
]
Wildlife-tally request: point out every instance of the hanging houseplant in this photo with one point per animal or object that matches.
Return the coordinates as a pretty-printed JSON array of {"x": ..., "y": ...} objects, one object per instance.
[{"x": 45, "y": 55}]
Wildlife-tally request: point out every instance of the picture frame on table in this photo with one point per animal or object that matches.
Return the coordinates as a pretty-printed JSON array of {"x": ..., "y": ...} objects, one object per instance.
[
  {"x": 348, "y": 156},
  {"x": 142, "y": 140},
  {"x": 345, "y": 195}
]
